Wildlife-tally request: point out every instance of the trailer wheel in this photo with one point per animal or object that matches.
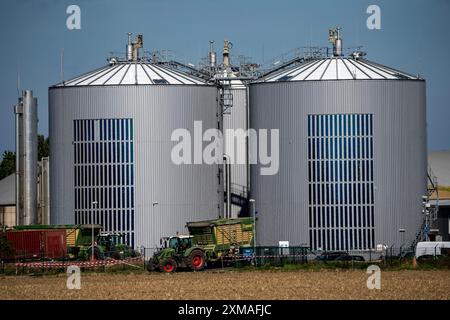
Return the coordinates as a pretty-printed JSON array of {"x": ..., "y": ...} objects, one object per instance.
[
  {"x": 196, "y": 260},
  {"x": 168, "y": 265}
]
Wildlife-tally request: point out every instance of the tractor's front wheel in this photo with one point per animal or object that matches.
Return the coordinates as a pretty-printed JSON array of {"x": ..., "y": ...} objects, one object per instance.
[
  {"x": 196, "y": 260},
  {"x": 168, "y": 265}
]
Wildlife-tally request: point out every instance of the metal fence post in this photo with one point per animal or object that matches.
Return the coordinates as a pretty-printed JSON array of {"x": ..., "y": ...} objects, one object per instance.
[{"x": 144, "y": 254}]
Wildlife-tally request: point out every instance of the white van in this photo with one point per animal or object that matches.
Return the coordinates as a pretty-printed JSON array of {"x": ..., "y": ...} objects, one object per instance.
[{"x": 431, "y": 248}]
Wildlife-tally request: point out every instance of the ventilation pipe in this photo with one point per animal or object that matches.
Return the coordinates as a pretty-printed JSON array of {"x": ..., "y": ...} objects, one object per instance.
[
  {"x": 334, "y": 36},
  {"x": 134, "y": 46},
  {"x": 226, "y": 53},
  {"x": 26, "y": 159},
  {"x": 212, "y": 55},
  {"x": 129, "y": 48}
]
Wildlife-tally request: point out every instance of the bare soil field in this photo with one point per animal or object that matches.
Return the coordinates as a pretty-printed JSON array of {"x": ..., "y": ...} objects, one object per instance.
[{"x": 326, "y": 284}]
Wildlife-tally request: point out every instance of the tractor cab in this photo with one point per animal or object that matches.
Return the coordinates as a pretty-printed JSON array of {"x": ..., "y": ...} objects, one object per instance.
[
  {"x": 178, "y": 243},
  {"x": 109, "y": 241}
]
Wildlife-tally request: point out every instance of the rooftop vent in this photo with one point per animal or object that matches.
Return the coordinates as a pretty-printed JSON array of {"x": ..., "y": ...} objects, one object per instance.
[{"x": 334, "y": 37}]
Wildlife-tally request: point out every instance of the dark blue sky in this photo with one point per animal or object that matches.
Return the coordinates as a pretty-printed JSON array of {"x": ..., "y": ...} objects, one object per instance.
[{"x": 413, "y": 38}]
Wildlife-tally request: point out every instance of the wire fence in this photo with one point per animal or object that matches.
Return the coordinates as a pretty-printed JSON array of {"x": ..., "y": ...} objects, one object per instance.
[{"x": 263, "y": 256}]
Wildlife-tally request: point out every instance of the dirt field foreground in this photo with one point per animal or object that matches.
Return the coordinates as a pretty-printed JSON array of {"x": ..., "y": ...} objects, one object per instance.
[{"x": 404, "y": 284}]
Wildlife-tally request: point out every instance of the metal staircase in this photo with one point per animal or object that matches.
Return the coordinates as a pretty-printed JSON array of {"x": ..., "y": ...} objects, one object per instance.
[
  {"x": 429, "y": 212},
  {"x": 239, "y": 197}
]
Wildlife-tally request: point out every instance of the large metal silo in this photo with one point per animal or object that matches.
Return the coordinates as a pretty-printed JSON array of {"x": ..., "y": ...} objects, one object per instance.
[
  {"x": 110, "y": 131},
  {"x": 352, "y": 156}
]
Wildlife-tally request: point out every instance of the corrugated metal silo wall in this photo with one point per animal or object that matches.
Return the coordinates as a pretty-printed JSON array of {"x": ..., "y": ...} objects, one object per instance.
[
  {"x": 400, "y": 164},
  {"x": 236, "y": 118},
  {"x": 183, "y": 193}
]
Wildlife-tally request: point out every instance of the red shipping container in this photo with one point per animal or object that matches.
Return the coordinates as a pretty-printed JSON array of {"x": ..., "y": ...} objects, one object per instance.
[{"x": 38, "y": 244}]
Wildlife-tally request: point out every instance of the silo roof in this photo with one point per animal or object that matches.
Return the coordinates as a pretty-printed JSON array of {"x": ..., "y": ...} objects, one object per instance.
[
  {"x": 337, "y": 68},
  {"x": 132, "y": 73}
]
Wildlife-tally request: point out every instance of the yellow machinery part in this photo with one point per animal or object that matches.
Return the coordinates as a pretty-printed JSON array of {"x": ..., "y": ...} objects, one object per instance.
[
  {"x": 233, "y": 234},
  {"x": 72, "y": 236}
]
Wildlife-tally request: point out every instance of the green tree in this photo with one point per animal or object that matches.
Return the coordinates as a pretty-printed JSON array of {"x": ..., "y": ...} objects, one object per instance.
[
  {"x": 5, "y": 247},
  {"x": 43, "y": 147},
  {"x": 8, "y": 164}
]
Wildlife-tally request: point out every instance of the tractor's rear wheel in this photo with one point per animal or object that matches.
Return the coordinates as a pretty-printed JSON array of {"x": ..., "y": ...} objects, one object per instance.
[
  {"x": 168, "y": 265},
  {"x": 97, "y": 254},
  {"x": 196, "y": 260}
]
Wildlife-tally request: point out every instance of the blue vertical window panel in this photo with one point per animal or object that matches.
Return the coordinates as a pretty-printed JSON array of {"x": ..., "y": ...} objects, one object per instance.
[
  {"x": 322, "y": 148},
  {"x": 93, "y": 137},
  {"x": 363, "y": 149},
  {"x": 105, "y": 130},
  {"x": 363, "y": 124},
  {"x": 75, "y": 130},
  {"x": 122, "y": 128},
  {"x": 309, "y": 149},
  {"x": 317, "y": 120},
  {"x": 322, "y": 126},
  {"x": 358, "y": 144},
  {"x": 131, "y": 130},
  {"x": 117, "y": 129},
  {"x": 371, "y": 147},
  {"x": 313, "y": 149},
  {"x": 309, "y": 125},
  {"x": 81, "y": 131},
  {"x": 108, "y": 129},
  {"x": 114, "y": 152},
  {"x": 132, "y": 151},
  {"x": 344, "y": 126},
  {"x": 132, "y": 175},
  {"x": 309, "y": 171},
  {"x": 89, "y": 131},
  {"x": 358, "y": 124},
  {"x": 345, "y": 148},
  {"x": 113, "y": 129}
]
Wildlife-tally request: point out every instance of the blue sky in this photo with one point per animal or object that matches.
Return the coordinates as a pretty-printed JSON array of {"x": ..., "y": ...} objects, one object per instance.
[{"x": 413, "y": 38}]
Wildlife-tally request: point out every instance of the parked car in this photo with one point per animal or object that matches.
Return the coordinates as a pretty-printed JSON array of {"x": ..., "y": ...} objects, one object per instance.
[
  {"x": 350, "y": 258},
  {"x": 331, "y": 256}
]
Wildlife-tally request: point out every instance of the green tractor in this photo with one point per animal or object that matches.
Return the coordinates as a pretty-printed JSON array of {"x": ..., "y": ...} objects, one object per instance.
[
  {"x": 177, "y": 252},
  {"x": 209, "y": 242},
  {"x": 107, "y": 245}
]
